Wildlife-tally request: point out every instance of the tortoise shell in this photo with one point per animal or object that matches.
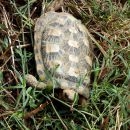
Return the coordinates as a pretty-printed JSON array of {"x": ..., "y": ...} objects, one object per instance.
[{"x": 63, "y": 48}]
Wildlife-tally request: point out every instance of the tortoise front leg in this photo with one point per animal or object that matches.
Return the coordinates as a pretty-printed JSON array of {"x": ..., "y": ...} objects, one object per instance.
[{"x": 32, "y": 81}]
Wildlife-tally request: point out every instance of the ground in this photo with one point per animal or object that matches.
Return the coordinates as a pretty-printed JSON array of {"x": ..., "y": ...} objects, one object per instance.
[{"x": 24, "y": 107}]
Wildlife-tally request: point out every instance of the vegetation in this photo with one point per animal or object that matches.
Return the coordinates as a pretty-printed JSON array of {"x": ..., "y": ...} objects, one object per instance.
[{"x": 26, "y": 108}]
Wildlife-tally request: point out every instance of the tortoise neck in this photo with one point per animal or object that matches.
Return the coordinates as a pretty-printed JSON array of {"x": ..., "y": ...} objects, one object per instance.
[{"x": 55, "y": 5}]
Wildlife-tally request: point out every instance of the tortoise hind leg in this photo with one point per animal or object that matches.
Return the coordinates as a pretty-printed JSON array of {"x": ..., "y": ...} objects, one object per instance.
[
  {"x": 69, "y": 94},
  {"x": 83, "y": 101}
]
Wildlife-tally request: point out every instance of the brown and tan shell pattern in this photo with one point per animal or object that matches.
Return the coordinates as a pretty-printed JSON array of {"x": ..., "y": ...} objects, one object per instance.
[{"x": 62, "y": 42}]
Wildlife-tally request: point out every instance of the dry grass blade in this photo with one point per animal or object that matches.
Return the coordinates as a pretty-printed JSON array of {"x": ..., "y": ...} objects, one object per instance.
[
  {"x": 10, "y": 31},
  {"x": 34, "y": 112}
]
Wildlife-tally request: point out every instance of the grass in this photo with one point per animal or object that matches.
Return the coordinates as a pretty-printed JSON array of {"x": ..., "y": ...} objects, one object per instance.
[{"x": 109, "y": 103}]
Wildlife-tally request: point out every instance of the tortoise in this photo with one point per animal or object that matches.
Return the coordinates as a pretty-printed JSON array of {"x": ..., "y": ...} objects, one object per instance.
[{"x": 63, "y": 49}]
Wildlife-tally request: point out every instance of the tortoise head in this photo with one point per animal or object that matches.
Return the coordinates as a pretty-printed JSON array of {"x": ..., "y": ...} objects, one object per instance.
[{"x": 53, "y": 6}]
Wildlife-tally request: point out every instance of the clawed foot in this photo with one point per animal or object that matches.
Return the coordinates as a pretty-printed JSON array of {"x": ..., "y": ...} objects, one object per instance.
[{"x": 32, "y": 81}]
